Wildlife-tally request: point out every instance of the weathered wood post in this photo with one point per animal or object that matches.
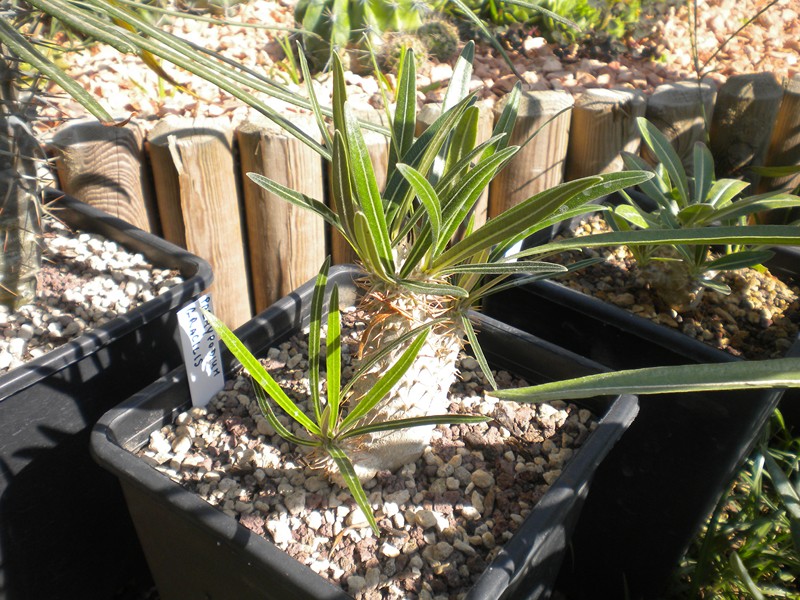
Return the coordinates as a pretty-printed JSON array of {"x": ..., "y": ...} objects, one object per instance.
[
  {"x": 378, "y": 149},
  {"x": 197, "y": 190},
  {"x": 784, "y": 146},
  {"x": 430, "y": 112},
  {"x": 287, "y": 243},
  {"x": 743, "y": 117},
  {"x": 682, "y": 111},
  {"x": 539, "y": 165},
  {"x": 104, "y": 166},
  {"x": 603, "y": 125}
]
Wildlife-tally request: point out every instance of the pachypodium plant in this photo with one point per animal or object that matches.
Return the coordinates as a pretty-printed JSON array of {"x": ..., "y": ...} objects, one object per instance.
[
  {"x": 338, "y": 411},
  {"x": 414, "y": 273},
  {"x": 334, "y": 26},
  {"x": 672, "y": 200}
]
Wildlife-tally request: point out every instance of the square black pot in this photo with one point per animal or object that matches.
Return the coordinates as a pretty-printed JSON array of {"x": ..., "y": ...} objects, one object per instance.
[
  {"x": 64, "y": 530},
  {"x": 661, "y": 482},
  {"x": 196, "y": 551}
]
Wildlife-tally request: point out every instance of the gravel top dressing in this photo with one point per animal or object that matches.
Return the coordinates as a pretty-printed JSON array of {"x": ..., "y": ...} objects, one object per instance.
[
  {"x": 85, "y": 281},
  {"x": 443, "y": 518}
]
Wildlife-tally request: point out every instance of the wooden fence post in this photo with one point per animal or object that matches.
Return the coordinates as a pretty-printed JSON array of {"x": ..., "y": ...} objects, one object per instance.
[
  {"x": 603, "y": 125},
  {"x": 104, "y": 166},
  {"x": 287, "y": 243},
  {"x": 681, "y": 110},
  {"x": 197, "y": 189},
  {"x": 430, "y": 112},
  {"x": 743, "y": 118},
  {"x": 378, "y": 149},
  {"x": 540, "y": 164},
  {"x": 784, "y": 147}
]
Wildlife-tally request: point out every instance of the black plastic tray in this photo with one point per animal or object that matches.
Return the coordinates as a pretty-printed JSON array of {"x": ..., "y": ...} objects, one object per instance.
[{"x": 196, "y": 551}]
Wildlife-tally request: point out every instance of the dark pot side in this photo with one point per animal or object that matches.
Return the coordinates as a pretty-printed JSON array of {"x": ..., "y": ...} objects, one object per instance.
[
  {"x": 661, "y": 482},
  {"x": 64, "y": 530},
  {"x": 196, "y": 551}
]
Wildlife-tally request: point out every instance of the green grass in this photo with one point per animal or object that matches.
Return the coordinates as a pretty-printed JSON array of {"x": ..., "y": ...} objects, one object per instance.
[{"x": 750, "y": 547}]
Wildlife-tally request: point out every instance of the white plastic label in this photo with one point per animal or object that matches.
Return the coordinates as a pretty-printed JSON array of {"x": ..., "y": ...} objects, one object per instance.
[{"x": 200, "y": 352}]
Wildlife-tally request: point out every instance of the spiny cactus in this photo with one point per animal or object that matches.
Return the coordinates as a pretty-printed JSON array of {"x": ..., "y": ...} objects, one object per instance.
[
  {"x": 440, "y": 38},
  {"x": 395, "y": 45},
  {"x": 339, "y": 25}
]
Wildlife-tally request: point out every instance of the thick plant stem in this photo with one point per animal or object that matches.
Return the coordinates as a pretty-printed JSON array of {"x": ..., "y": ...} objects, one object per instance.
[
  {"x": 421, "y": 392},
  {"x": 20, "y": 228}
]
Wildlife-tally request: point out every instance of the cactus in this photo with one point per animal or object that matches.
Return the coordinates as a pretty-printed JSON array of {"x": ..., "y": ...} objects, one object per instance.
[
  {"x": 395, "y": 45},
  {"x": 440, "y": 38},
  {"x": 339, "y": 25},
  {"x": 19, "y": 207}
]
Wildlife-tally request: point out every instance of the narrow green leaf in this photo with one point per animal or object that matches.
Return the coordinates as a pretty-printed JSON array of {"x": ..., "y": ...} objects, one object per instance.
[
  {"x": 366, "y": 189},
  {"x": 463, "y": 138},
  {"x": 280, "y": 428},
  {"x": 755, "y": 204},
  {"x": 20, "y": 47},
  {"x": 259, "y": 374},
  {"x": 723, "y": 191},
  {"x": 365, "y": 243},
  {"x": 297, "y": 199},
  {"x": 499, "y": 268},
  {"x": 312, "y": 97},
  {"x": 695, "y": 214},
  {"x": 512, "y": 221},
  {"x": 650, "y": 187},
  {"x": 405, "y": 114},
  {"x": 758, "y": 235},
  {"x": 472, "y": 337},
  {"x": 740, "y": 375},
  {"x": 548, "y": 13},
  {"x": 506, "y": 121},
  {"x": 703, "y": 171},
  {"x": 433, "y": 289},
  {"x": 667, "y": 156},
  {"x": 342, "y": 190},
  {"x": 427, "y": 196},
  {"x": 339, "y": 96},
  {"x": 790, "y": 498},
  {"x": 385, "y": 350},
  {"x": 458, "y": 87},
  {"x": 384, "y": 384},
  {"x": 395, "y": 425},
  {"x": 333, "y": 345},
  {"x": 632, "y": 214},
  {"x": 314, "y": 329},
  {"x": 741, "y": 571},
  {"x": 353, "y": 484},
  {"x": 739, "y": 260}
]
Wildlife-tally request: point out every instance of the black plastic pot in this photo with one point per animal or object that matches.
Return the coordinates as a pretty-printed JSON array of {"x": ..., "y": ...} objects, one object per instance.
[
  {"x": 196, "y": 551},
  {"x": 661, "y": 482},
  {"x": 64, "y": 529}
]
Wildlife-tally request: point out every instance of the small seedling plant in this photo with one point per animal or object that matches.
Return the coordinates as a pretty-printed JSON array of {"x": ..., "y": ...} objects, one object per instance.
[{"x": 338, "y": 412}]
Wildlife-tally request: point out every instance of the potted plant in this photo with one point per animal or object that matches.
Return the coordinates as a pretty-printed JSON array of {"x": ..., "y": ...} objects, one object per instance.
[
  {"x": 414, "y": 275},
  {"x": 713, "y": 432}
]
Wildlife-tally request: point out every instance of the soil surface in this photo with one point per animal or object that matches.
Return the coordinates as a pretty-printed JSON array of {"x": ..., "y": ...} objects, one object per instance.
[{"x": 660, "y": 52}]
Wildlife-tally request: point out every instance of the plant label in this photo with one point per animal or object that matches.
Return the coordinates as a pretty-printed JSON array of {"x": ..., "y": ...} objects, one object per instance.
[{"x": 200, "y": 351}]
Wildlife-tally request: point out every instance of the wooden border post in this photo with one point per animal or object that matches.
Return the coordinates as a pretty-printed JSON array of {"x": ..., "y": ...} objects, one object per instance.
[
  {"x": 287, "y": 243},
  {"x": 603, "y": 124},
  {"x": 104, "y": 166},
  {"x": 539, "y": 165},
  {"x": 743, "y": 118},
  {"x": 681, "y": 110},
  {"x": 197, "y": 189},
  {"x": 784, "y": 147}
]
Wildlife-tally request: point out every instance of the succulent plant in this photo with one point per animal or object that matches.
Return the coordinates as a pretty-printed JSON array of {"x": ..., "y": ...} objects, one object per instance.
[
  {"x": 334, "y": 26},
  {"x": 440, "y": 38},
  {"x": 395, "y": 46}
]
